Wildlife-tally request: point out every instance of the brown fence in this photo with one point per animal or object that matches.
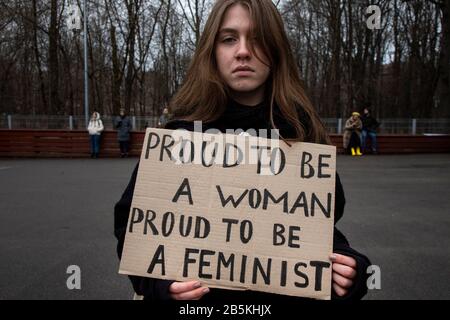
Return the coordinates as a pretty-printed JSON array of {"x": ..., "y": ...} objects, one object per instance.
[
  {"x": 60, "y": 143},
  {"x": 75, "y": 144}
]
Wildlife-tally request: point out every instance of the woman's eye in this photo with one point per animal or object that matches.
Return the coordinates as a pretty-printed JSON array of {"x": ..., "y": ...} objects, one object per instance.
[{"x": 228, "y": 40}]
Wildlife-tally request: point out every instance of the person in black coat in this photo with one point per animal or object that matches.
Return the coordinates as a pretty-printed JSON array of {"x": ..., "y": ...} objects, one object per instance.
[
  {"x": 243, "y": 76},
  {"x": 369, "y": 129},
  {"x": 123, "y": 125}
]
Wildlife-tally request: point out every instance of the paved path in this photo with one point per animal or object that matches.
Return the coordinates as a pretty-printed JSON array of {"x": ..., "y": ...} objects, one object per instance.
[{"x": 56, "y": 213}]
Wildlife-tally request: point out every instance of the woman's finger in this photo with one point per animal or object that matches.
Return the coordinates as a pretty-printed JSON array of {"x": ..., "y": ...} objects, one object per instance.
[
  {"x": 339, "y": 290},
  {"x": 345, "y": 271},
  {"x": 180, "y": 287},
  {"x": 191, "y": 295},
  {"x": 341, "y": 281},
  {"x": 345, "y": 260}
]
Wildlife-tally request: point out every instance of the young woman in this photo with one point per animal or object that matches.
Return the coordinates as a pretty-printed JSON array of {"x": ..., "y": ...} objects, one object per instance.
[
  {"x": 243, "y": 75},
  {"x": 95, "y": 129},
  {"x": 352, "y": 134}
]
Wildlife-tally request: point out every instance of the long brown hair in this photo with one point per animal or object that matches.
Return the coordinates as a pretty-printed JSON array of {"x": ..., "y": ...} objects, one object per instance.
[{"x": 203, "y": 95}]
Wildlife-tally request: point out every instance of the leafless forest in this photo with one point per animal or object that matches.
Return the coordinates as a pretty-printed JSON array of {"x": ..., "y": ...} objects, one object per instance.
[{"x": 139, "y": 51}]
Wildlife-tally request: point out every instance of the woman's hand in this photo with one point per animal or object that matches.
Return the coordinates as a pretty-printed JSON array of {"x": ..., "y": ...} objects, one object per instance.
[
  {"x": 343, "y": 274},
  {"x": 189, "y": 290}
]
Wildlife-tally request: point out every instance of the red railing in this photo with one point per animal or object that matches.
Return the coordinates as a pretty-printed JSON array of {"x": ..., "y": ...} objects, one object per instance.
[{"x": 74, "y": 144}]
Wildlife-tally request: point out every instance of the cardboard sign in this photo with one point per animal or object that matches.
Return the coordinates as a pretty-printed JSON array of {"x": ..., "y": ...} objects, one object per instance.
[{"x": 235, "y": 212}]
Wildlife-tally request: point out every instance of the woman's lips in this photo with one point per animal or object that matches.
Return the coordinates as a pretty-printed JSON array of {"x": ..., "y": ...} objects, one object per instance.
[{"x": 243, "y": 71}]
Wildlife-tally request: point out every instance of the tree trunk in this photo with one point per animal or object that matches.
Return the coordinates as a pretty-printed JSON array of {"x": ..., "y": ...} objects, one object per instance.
[
  {"x": 130, "y": 76},
  {"x": 37, "y": 57},
  {"x": 55, "y": 104},
  {"x": 117, "y": 74},
  {"x": 443, "y": 88},
  {"x": 334, "y": 98},
  {"x": 350, "y": 56}
]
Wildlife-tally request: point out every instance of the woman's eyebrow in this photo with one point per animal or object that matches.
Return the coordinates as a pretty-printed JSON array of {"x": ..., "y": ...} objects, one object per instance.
[{"x": 228, "y": 30}]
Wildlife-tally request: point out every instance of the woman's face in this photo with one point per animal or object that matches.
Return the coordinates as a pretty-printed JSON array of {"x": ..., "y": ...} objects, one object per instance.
[{"x": 244, "y": 74}]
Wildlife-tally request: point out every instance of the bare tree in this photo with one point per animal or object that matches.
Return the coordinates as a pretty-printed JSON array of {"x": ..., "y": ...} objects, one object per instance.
[{"x": 139, "y": 51}]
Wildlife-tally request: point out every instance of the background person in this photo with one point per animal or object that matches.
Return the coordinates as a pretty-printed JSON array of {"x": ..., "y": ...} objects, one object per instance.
[
  {"x": 95, "y": 129},
  {"x": 352, "y": 135},
  {"x": 123, "y": 126},
  {"x": 369, "y": 129},
  {"x": 164, "y": 118}
]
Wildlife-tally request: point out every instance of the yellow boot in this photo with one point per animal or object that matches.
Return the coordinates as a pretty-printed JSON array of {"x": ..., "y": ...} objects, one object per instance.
[
  {"x": 353, "y": 152},
  {"x": 358, "y": 151}
]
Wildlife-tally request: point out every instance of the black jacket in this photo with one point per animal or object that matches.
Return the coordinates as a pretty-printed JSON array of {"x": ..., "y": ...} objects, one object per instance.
[
  {"x": 236, "y": 116},
  {"x": 369, "y": 123}
]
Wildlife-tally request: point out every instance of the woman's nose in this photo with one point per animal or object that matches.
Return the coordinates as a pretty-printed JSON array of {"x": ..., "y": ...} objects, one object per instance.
[{"x": 243, "y": 51}]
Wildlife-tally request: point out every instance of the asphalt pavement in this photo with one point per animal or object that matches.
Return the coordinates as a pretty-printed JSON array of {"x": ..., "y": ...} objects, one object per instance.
[{"x": 55, "y": 213}]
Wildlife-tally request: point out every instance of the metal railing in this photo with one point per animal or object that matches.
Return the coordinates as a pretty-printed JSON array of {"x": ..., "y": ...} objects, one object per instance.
[
  {"x": 67, "y": 122},
  {"x": 398, "y": 126},
  {"x": 334, "y": 126}
]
